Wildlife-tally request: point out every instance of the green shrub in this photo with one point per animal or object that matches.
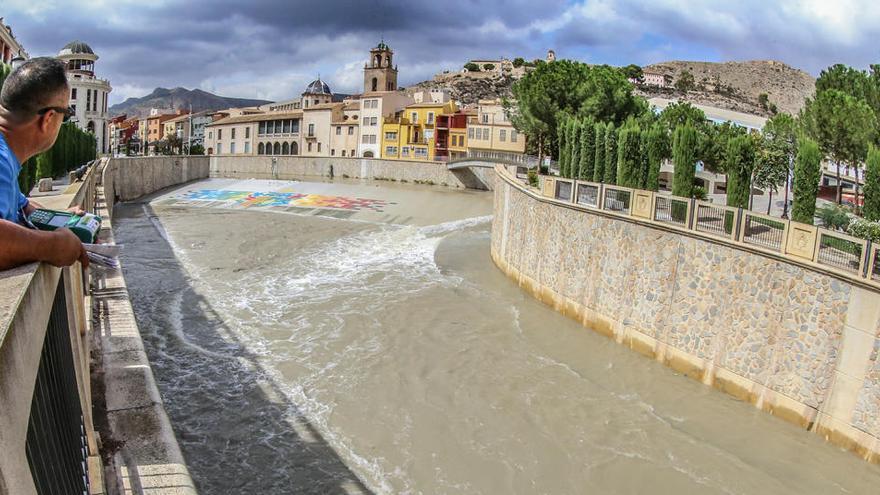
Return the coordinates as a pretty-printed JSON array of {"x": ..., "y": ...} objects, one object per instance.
[
  {"x": 472, "y": 67},
  {"x": 833, "y": 217},
  {"x": 864, "y": 229},
  {"x": 533, "y": 177},
  {"x": 700, "y": 193}
]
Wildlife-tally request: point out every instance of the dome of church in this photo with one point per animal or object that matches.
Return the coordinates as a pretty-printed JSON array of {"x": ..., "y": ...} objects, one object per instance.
[
  {"x": 318, "y": 87},
  {"x": 76, "y": 47}
]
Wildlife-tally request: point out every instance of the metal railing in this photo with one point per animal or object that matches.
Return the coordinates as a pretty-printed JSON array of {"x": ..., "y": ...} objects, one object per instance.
[
  {"x": 588, "y": 194},
  {"x": 617, "y": 199},
  {"x": 671, "y": 210},
  {"x": 56, "y": 447},
  {"x": 563, "y": 190},
  {"x": 763, "y": 231},
  {"x": 841, "y": 251},
  {"x": 715, "y": 220}
]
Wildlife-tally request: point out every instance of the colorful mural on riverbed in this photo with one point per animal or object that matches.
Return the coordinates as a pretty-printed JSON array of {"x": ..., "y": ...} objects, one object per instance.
[{"x": 249, "y": 199}]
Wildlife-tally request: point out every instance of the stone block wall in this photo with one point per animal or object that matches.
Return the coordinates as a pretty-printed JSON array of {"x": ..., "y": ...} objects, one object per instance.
[{"x": 797, "y": 342}]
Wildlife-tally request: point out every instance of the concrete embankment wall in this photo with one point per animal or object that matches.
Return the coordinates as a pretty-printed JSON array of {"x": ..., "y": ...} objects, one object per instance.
[
  {"x": 299, "y": 167},
  {"x": 798, "y": 342},
  {"x": 126, "y": 179}
]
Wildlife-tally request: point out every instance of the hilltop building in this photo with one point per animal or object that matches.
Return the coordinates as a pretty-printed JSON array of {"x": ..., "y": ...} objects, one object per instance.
[
  {"x": 9, "y": 45},
  {"x": 88, "y": 93}
]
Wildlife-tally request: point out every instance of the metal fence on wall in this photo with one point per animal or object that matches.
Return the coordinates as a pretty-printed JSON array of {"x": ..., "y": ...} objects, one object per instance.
[
  {"x": 763, "y": 231},
  {"x": 715, "y": 220},
  {"x": 617, "y": 200},
  {"x": 840, "y": 252},
  {"x": 671, "y": 210},
  {"x": 588, "y": 195},
  {"x": 56, "y": 445}
]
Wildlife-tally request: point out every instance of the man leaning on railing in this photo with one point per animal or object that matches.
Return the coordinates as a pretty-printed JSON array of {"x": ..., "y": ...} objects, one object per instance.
[{"x": 33, "y": 105}]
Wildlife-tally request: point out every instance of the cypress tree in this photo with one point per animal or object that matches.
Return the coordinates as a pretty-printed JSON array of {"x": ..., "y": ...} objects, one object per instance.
[
  {"x": 684, "y": 156},
  {"x": 599, "y": 162},
  {"x": 575, "y": 149},
  {"x": 610, "y": 154},
  {"x": 643, "y": 159},
  {"x": 561, "y": 146},
  {"x": 805, "y": 185},
  {"x": 872, "y": 185},
  {"x": 655, "y": 153},
  {"x": 588, "y": 150},
  {"x": 740, "y": 165},
  {"x": 628, "y": 157}
]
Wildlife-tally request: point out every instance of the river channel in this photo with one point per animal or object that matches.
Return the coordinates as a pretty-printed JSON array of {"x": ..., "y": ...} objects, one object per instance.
[{"x": 356, "y": 338}]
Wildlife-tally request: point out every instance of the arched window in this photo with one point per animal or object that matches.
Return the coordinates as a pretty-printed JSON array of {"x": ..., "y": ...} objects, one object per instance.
[
  {"x": 294, "y": 148},
  {"x": 91, "y": 126},
  {"x": 261, "y": 149},
  {"x": 375, "y": 83},
  {"x": 268, "y": 148},
  {"x": 378, "y": 61},
  {"x": 285, "y": 148},
  {"x": 276, "y": 149},
  {"x": 368, "y": 154}
]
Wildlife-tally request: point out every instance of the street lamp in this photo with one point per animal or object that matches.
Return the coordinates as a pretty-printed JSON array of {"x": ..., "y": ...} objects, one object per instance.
[{"x": 17, "y": 61}]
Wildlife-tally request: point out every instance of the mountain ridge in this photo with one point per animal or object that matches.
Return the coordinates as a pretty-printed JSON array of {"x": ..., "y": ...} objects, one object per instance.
[{"x": 179, "y": 98}]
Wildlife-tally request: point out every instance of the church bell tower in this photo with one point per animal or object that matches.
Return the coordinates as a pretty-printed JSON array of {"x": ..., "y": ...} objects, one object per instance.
[{"x": 380, "y": 74}]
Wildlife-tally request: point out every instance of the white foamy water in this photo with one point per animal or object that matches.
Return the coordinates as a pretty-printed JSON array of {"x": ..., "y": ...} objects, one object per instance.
[{"x": 312, "y": 355}]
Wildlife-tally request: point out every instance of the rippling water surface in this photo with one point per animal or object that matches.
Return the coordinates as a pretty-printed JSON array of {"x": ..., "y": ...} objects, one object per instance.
[{"x": 306, "y": 354}]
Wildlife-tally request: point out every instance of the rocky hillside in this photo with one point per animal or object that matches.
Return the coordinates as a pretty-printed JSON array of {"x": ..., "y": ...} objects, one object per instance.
[
  {"x": 730, "y": 85},
  {"x": 169, "y": 100},
  {"x": 738, "y": 85}
]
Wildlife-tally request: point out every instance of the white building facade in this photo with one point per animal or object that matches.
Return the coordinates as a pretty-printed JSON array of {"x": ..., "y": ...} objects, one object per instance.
[
  {"x": 89, "y": 95},
  {"x": 9, "y": 46}
]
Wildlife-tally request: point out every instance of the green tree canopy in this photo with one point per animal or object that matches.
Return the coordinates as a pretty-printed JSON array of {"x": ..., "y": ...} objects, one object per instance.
[
  {"x": 684, "y": 146},
  {"x": 806, "y": 181},
  {"x": 629, "y": 157},
  {"x": 658, "y": 150},
  {"x": 740, "y": 166},
  {"x": 599, "y": 163},
  {"x": 680, "y": 113},
  {"x": 872, "y": 185},
  {"x": 587, "y": 155},
  {"x": 610, "y": 171}
]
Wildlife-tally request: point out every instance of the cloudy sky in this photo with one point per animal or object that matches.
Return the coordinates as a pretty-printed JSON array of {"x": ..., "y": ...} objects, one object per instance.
[{"x": 271, "y": 49}]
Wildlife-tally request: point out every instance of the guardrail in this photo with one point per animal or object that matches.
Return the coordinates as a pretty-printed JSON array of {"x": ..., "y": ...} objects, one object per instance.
[
  {"x": 48, "y": 441},
  {"x": 829, "y": 250}
]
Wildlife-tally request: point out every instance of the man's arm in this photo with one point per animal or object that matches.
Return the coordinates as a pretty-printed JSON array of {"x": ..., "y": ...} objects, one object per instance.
[
  {"x": 20, "y": 245},
  {"x": 30, "y": 206}
]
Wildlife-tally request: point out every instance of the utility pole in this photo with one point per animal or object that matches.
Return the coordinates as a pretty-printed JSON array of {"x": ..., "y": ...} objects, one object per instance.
[{"x": 190, "y": 137}]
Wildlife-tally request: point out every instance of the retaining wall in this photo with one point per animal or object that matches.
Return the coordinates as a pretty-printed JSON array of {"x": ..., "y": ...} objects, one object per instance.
[{"x": 794, "y": 340}]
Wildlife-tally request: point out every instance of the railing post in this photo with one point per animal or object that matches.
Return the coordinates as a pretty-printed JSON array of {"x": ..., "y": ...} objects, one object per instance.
[
  {"x": 739, "y": 225},
  {"x": 692, "y": 213}
]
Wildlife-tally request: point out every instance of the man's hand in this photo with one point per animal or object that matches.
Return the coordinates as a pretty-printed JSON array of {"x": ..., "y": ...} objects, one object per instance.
[
  {"x": 77, "y": 210},
  {"x": 66, "y": 248}
]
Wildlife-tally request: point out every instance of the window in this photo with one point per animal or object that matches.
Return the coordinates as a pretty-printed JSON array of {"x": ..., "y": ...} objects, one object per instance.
[
  {"x": 232, "y": 147},
  {"x": 287, "y": 125},
  {"x": 414, "y": 117},
  {"x": 310, "y": 145},
  {"x": 485, "y": 118},
  {"x": 311, "y": 130},
  {"x": 373, "y": 121},
  {"x": 343, "y": 152},
  {"x": 390, "y": 136},
  {"x": 260, "y": 148},
  {"x": 247, "y": 148},
  {"x": 219, "y": 148},
  {"x": 352, "y": 153},
  {"x": 319, "y": 147},
  {"x": 72, "y": 93},
  {"x": 365, "y": 139},
  {"x": 372, "y": 139},
  {"x": 471, "y": 132},
  {"x": 210, "y": 136},
  {"x": 430, "y": 117},
  {"x": 513, "y": 135},
  {"x": 247, "y": 132},
  {"x": 233, "y": 133},
  {"x": 420, "y": 152},
  {"x": 285, "y": 148},
  {"x": 332, "y": 151},
  {"x": 366, "y": 121},
  {"x": 404, "y": 151},
  {"x": 219, "y": 137},
  {"x": 391, "y": 150},
  {"x": 502, "y": 135},
  {"x": 339, "y": 130}
]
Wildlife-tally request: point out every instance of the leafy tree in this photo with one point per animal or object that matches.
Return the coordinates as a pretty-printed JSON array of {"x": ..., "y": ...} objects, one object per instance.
[
  {"x": 197, "y": 149},
  {"x": 633, "y": 71},
  {"x": 628, "y": 157},
  {"x": 657, "y": 151},
  {"x": 488, "y": 66},
  {"x": 740, "y": 165},
  {"x": 845, "y": 79},
  {"x": 872, "y": 185},
  {"x": 771, "y": 168},
  {"x": 780, "y": 141},
  {"x": 518, "y": 62},
  {"x": 570, "y": 88},
  {"x": 587, "y": 153},
  {"x": 685, "y": 81},
  {"x": 680, "y": 113},
  {"x": 843, "y": 127},
  {"x": 599, "y": 163},
  {"x": 472, "y": 67},
  {"x": 610, "y": 155},
  {"x": 764, "y": 100},
  {"x": 684, "y": 145},
  {"x": 574, "y": 149}
]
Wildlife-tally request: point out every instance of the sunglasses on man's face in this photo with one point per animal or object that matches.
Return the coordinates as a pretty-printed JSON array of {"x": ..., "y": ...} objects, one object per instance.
[{"x": 66, "y": 112}]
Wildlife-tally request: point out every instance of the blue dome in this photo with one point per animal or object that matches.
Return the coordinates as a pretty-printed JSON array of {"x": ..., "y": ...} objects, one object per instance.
[{"x": 317, "y": 87}]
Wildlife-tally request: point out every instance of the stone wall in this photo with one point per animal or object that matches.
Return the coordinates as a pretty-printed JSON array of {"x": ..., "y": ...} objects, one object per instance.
[
  {"x": 298, "y": 167},
  {"x": 797, "y": 342},
  {"x": 125, "y": 179}
]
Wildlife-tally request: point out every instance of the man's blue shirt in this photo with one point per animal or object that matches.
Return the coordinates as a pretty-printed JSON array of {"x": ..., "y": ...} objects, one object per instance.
[{"x": 11, "y": 199}]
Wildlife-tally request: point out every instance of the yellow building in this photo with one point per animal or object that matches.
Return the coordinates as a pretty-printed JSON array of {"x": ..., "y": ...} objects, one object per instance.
[
  {"x": 491, "y": 130},
  {"x": 413, "y": 133}
]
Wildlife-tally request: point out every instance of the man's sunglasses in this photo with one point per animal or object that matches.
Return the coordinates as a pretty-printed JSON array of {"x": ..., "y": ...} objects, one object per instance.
[{"x": 67, "y": 112}]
